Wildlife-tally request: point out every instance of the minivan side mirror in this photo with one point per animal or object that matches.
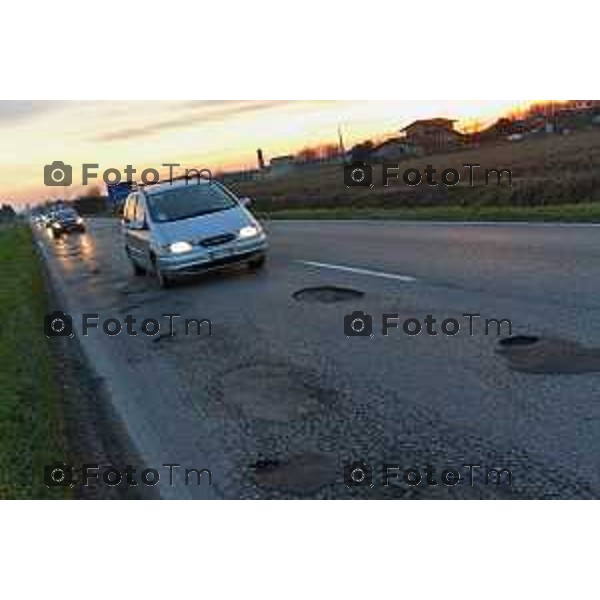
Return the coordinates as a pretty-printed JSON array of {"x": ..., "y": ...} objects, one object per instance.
[{"x": 245, "y": 201}]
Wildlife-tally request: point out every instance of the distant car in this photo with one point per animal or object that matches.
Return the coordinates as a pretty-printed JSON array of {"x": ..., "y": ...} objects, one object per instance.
[
  {"x": 46, "y": 219},
  {"x": 182, "y": 227},
  {"x": 65, "y": 220}
]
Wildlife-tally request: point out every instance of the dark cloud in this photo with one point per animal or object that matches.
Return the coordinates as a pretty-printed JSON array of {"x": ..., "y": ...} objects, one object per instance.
[{"x": 195, "y": 111}]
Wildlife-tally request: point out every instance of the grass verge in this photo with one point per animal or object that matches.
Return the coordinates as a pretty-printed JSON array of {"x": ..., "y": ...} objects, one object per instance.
[
  {"x": 565, "y": 213},
  {"x": 31, "y": 420}
]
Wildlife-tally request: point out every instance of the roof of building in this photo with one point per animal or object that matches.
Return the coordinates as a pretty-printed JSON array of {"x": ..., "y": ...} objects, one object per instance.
[
  {"x": 285, "y": 158},
  {"x": 399, "y": 141},
  {"x": 437, "y": 122}
]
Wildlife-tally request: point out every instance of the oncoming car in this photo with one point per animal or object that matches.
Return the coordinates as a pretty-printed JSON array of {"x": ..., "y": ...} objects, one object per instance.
[
  {"x": 65, "y": 220},
  {"x": 181, "y": 227}
]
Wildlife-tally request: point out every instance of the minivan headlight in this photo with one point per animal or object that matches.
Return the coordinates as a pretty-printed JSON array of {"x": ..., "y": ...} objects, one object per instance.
[
  {"x": 249, "y": 231},
  {"x": 180, "y": 247}
]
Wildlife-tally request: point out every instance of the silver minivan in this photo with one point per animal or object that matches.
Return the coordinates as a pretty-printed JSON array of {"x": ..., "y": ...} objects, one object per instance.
[{"x": 182, "y": 227}]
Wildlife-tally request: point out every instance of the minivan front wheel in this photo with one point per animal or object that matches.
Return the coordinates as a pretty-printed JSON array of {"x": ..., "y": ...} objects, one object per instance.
[
  {"x": 162, "y": 279},
  {"x": 137, "y": 270}
]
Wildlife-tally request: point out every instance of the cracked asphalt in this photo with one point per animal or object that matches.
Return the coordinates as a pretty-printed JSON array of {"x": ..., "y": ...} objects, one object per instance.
[{"x": 277, "y": 400}]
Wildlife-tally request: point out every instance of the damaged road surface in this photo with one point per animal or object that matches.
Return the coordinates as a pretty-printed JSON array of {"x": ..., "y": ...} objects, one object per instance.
[{"x": 254, "y": 387}]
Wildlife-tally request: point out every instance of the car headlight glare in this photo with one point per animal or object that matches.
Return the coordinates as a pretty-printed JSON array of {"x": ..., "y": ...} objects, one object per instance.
[
  {"x": 57, "y": 225},
  {"x": 79, "y": 221},
  {"x": 180, "y": 247},
  {"x": 248, "y": 231}
]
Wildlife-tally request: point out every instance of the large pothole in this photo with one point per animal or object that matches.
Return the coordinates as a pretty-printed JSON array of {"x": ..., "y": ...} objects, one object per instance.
[
  {"x": 518, "y": 341},
  {"x": 272, "y": 392},
  {"x": 327, "y": 294},
  {"x": 300, "y": 474},
  {"x": 532, "y": 354}
]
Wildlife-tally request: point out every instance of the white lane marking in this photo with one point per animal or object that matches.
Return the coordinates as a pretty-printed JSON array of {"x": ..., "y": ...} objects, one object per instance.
[
  {"x": 504, "y": 223},
  {"x": 357, "y": 270}
]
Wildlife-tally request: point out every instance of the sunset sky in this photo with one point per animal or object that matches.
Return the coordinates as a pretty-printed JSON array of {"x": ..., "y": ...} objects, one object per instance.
[{"x": 195, "y": 133}]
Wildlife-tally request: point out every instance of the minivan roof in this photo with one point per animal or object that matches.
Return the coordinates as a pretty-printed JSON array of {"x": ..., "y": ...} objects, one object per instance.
[{"x": 160, "y": 186}]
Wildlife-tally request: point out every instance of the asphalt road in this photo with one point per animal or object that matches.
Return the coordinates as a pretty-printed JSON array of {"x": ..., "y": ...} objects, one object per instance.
[{"x": 278, "y": 399}]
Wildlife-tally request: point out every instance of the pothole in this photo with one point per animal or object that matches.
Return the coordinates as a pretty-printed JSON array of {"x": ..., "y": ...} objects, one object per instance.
[
  {"x": 326, "y": 294},
  {"x": 273, "y": 392},
  {"x": 518, "y": 340},
  {"x": 531, "y": 354},
  {"x": 300, "y": 474},
  {"x": 264, "y": 465}
]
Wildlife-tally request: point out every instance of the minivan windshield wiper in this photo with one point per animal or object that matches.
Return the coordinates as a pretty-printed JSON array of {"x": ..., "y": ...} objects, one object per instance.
[{"x": 198, "y": 214}]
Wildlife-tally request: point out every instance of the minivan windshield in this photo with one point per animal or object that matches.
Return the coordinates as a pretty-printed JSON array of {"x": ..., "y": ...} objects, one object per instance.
[{"x": 185, "y": 202}]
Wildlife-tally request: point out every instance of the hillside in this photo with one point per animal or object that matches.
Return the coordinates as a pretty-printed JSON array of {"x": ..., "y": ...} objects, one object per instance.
[{"x": 546, "y": 170}]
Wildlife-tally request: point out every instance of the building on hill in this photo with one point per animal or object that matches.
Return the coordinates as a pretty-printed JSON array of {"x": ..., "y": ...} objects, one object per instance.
[
  {"x": 244, "y": 175},
  {"x": 433, "y": 135},
  {"x": 280, "y": 165},
  {"x": 586, "y": 104},
  {"x": 393, "y": 149},
  {"x": 502, "y": 129}
]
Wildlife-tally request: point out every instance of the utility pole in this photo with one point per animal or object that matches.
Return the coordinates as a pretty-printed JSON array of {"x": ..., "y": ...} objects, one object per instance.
[{"x": 341, "y": 144}]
